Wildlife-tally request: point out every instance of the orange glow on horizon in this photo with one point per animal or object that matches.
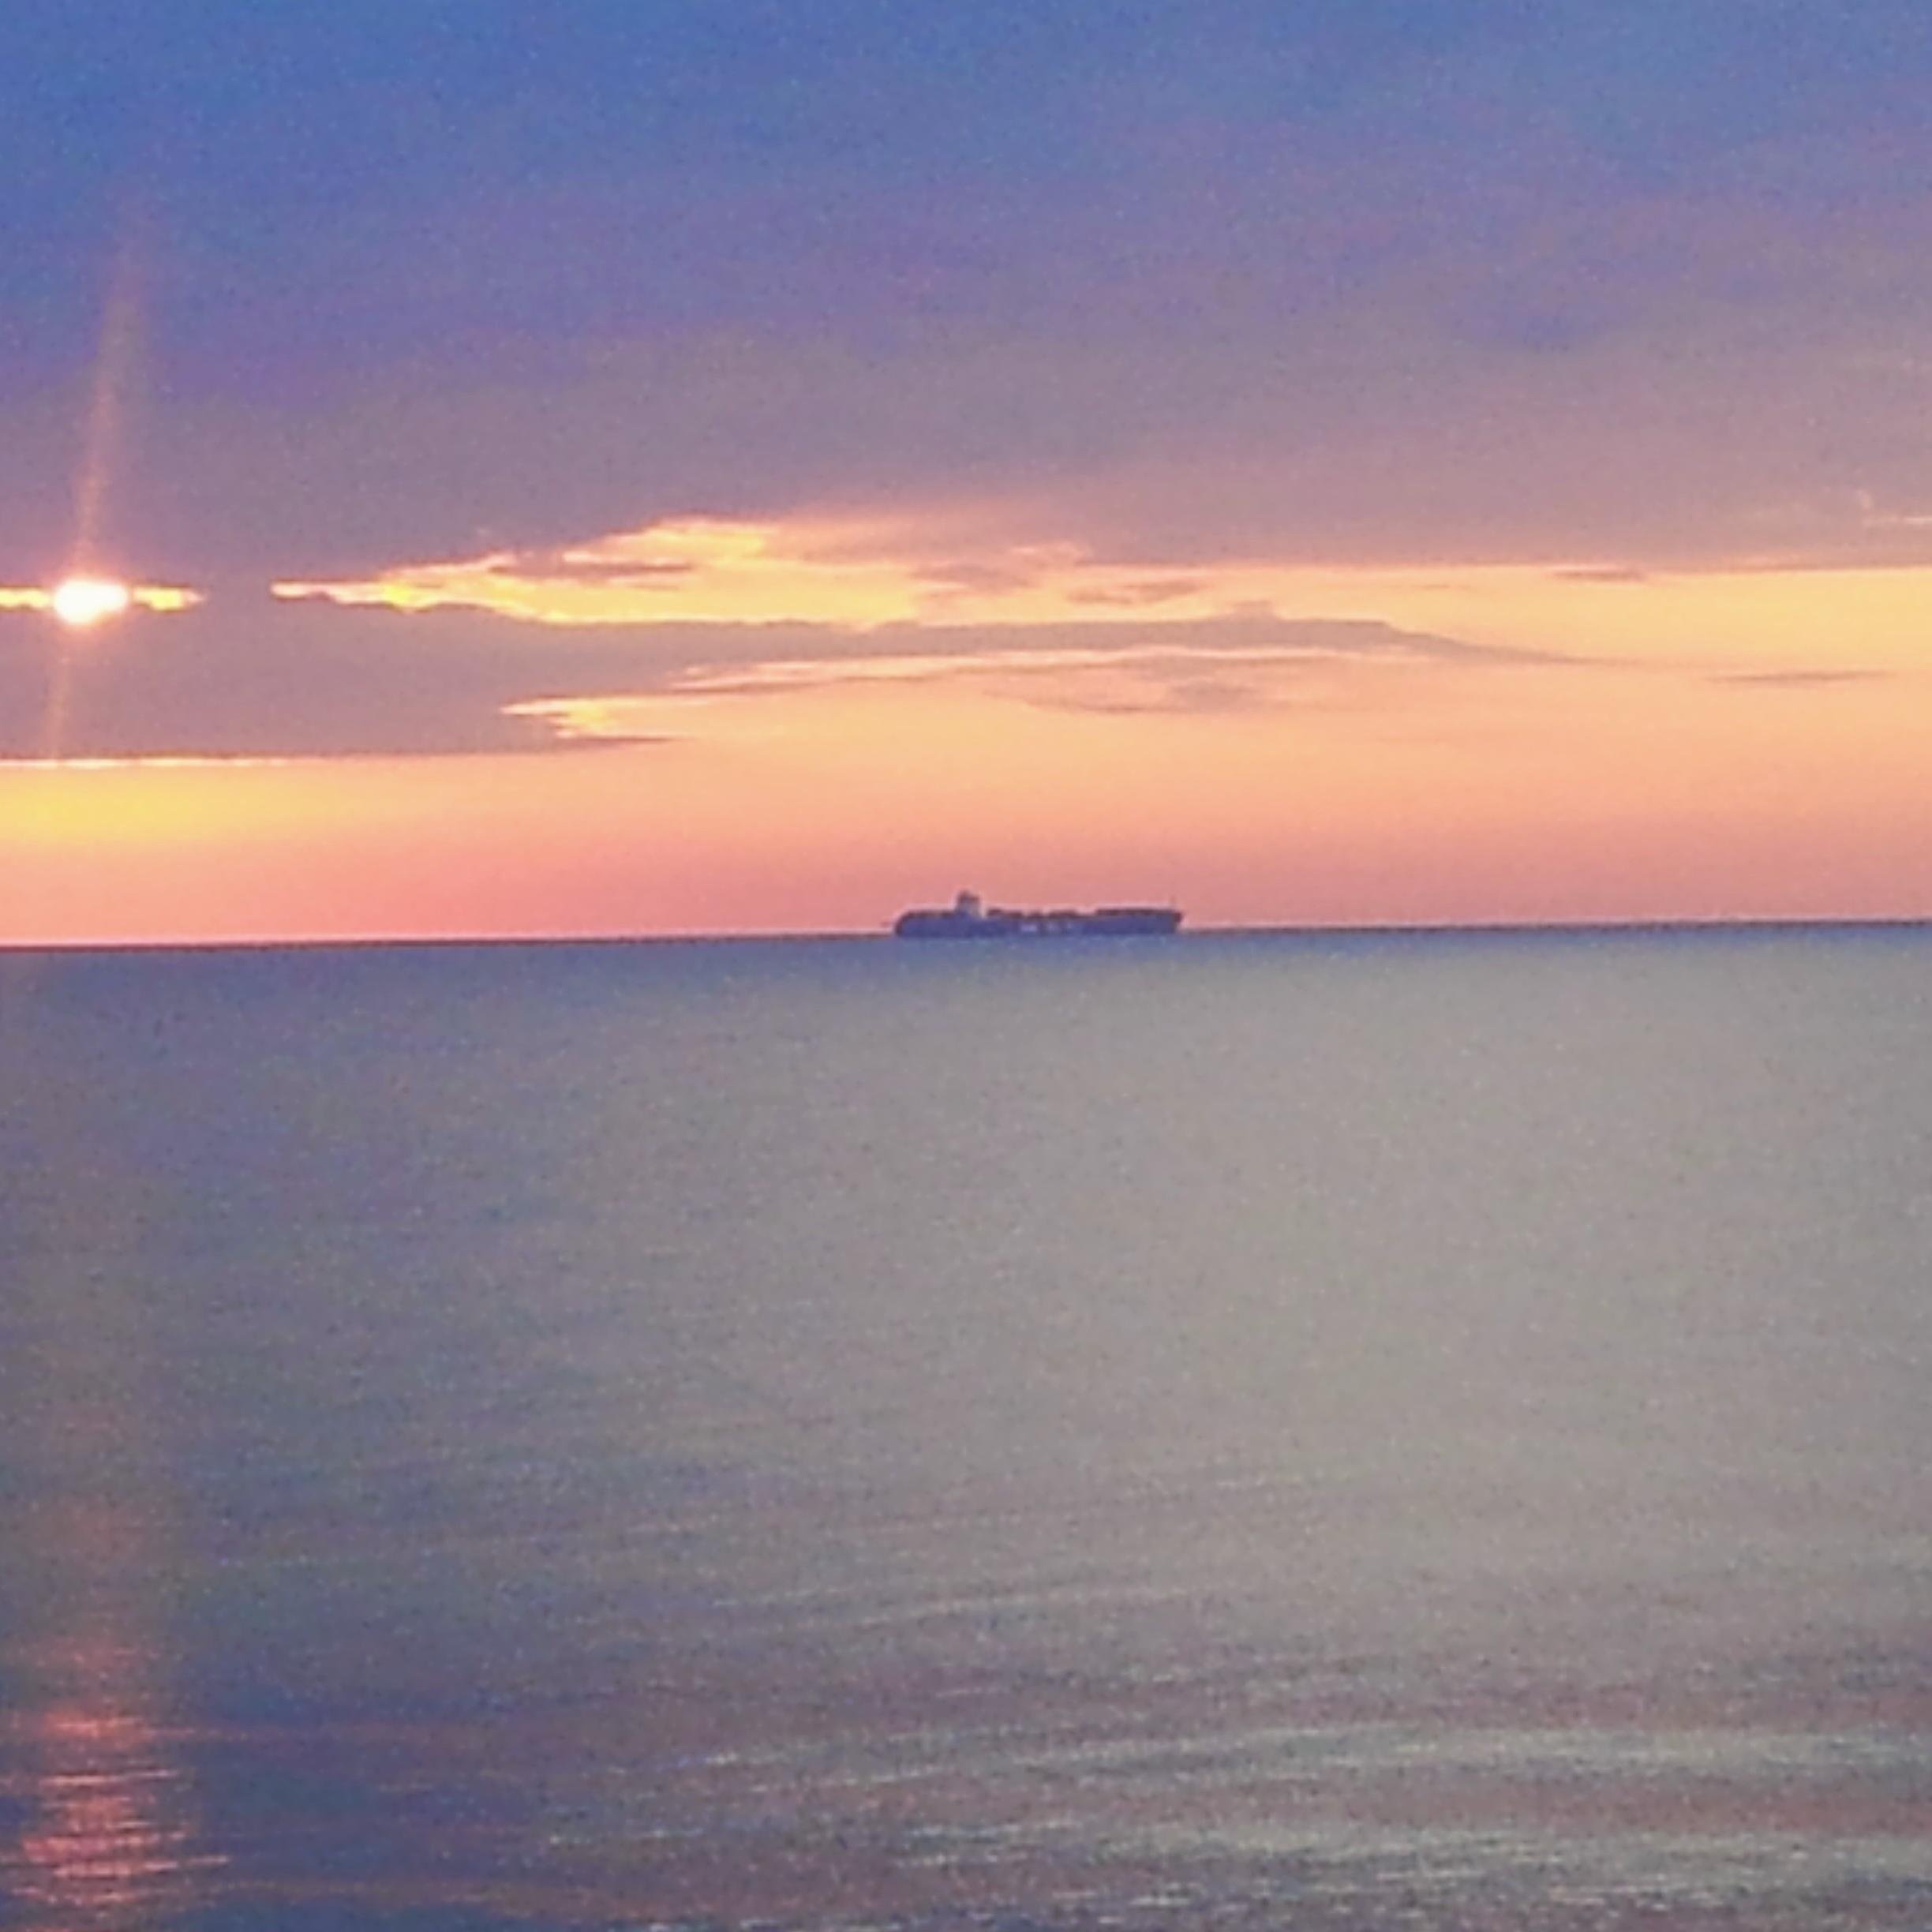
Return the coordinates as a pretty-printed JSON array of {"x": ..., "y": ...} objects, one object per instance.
[
  {"x": 1419, "y": 794},
  {"x": 1502, "y": 743}
]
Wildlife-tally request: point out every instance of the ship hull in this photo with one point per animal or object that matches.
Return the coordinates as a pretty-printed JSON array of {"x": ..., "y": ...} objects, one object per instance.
[{"x": 1104, "y": 923}]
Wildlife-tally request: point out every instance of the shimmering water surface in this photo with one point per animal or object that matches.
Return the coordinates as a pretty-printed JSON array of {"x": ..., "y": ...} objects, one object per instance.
[{"x": 1234, "y": 1431}]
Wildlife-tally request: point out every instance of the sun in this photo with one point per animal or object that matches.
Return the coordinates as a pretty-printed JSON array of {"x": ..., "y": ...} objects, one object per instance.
[{"x": 80, "y": 602}]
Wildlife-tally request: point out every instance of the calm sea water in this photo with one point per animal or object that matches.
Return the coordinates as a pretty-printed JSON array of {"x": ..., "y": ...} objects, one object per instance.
[{"x": 1230, "y": 1432}]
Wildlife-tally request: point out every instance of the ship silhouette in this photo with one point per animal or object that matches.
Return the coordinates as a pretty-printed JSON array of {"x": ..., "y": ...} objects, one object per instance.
[{"x": 969, "y": 917}]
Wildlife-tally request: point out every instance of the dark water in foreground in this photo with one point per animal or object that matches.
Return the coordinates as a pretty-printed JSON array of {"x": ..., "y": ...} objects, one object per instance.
[{"x": 1227, "y": 1433}]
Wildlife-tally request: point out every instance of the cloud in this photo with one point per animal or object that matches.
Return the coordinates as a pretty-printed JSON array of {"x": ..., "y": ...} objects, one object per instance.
[
  {"x": 1370, "y": 433},
  {"x": 1222, "y": 666},
  {"x": 851, "y": 570},
  {"x": 1335, "y": 283},
  {"x": 955, "y": 565},
  {"x": 642, "y": 635},
  {"x": 1801, "y": 679},
  {"x": 236, "y": 678},
  {"x": 312, "y": 680}
]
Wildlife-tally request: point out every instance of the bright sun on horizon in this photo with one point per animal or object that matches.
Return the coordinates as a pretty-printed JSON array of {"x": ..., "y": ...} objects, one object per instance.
[{"x": 79, "y": 602}]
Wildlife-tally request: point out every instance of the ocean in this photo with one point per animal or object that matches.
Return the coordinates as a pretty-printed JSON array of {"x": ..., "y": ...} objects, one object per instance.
[{"x": 1423, "y": 1431}]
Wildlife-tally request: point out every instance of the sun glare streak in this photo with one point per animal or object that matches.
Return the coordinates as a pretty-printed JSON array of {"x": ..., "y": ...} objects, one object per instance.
[
  {"x": 113, "y": 369},
  {"x": 59, "y": 698},
  {"x": 86, "y": 597}
]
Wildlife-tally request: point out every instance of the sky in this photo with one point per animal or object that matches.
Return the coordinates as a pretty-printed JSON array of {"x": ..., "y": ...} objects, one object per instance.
[{"x": 615, "y": 466}]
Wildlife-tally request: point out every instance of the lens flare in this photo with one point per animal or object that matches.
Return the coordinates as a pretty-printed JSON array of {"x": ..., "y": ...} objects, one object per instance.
[{"x": 79, "y": 602}]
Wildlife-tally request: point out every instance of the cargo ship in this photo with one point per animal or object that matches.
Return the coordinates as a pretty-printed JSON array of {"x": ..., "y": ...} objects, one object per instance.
[{"x": 969, "y": 917}]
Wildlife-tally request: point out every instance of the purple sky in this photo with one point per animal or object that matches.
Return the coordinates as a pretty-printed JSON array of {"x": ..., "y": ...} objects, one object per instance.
[
  {"x": 1361, "y": 278},
  {"x": 1261, "y": 377}
]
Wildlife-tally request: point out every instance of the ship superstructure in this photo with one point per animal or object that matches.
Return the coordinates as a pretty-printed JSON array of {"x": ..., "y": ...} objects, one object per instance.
[{"x": 969, "y": 917}]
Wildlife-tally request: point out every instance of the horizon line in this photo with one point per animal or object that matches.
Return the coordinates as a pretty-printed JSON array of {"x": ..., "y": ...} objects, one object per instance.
[{"x": 1684, "y": 926}]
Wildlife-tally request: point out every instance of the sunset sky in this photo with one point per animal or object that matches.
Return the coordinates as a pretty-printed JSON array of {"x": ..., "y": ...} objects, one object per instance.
[{"x": 704, "y": 466}]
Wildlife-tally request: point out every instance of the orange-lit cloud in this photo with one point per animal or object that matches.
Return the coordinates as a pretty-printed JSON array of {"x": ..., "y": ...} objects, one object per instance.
[
  {"x": 857, "y": 574},
  {"x": 951, "y": 568},
  {"x": 806, "y": 723},
  {"x": 930, "y": 569},
  {"x": 626, "y": 636},
  {"x": 942, "y": 595}
]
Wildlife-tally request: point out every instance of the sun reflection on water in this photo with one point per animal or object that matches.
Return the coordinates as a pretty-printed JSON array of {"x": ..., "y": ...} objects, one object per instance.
[
  {"x": 100, "y": 1828},
  {"x": 108, "y": 1834}
]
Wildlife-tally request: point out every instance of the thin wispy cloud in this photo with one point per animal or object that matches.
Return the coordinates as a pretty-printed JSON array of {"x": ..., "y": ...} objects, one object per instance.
[
  {"x": 1229, "y": 666},
  {"x": 1801, "y": 680},
  {"x": 309, "y": 679}
]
